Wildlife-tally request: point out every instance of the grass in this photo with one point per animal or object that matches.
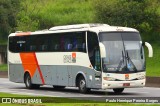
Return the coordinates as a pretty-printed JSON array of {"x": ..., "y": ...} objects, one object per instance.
[
  {"x": 83, "y": 102},
  {"x": 153, "y": 64},
  {"x": 3, "y": 67}
]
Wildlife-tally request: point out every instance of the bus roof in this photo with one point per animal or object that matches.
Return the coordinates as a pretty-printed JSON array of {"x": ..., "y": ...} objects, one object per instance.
[{"x": 81, "y": 27}]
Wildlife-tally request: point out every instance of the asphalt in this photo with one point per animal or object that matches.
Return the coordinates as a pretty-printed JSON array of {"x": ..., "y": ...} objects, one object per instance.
[{"x": 19, "y": 88}]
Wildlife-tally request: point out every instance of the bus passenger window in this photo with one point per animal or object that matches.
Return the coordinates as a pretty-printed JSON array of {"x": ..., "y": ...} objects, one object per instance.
[
  {"x": 56, "y": 47},
  {"x": 69, "y": 47},
  {"x": 84, "y": 46},
  {"x": 32, "y": 48},
  {"x": 43, "y": 47}
]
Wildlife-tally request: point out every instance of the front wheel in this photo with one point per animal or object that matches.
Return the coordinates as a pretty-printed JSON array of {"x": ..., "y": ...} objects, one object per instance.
[
  {"x": 82, "y": 85},
  {"x": 28, "y": 82},
  {"x": 118, "y": 90}
]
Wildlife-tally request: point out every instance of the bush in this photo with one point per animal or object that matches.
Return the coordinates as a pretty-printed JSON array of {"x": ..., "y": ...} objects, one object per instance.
[
  {"x": 140, "y": 14},
  {"x": 45, "y": 14}
]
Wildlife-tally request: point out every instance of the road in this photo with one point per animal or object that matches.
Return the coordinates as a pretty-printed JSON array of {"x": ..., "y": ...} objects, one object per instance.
[{"x": 19, "y": 88}]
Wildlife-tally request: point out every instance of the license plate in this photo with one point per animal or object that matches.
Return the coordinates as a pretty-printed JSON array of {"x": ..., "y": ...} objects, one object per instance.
[{"x": 126, "y": 84}]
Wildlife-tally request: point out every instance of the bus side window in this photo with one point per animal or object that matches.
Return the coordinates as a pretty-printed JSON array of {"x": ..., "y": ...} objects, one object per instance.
[
  {"x": 56, "y": 47},
  {"x": 94, "y": 51},
  {"x": 32, "y": 48},
  {"x": 84, "y": 46},
  {"x": 12, "y": 44},
  {"x": 67, "y": 43},
  {"x": 79, "y": 42}
]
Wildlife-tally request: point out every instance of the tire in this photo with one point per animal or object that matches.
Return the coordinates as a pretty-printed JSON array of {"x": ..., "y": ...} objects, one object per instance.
[
  {"x": 82, "y": 85},
  {"x": 28, "y": 82},
  {"x": 118, "y": 90},
  {"x": 58, "y": 87}
]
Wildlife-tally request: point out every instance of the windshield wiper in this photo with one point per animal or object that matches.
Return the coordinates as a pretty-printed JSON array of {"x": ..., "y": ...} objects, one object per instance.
[
  {"x": 125, "y": 57},
  {"x": 129, "y": 59},
  {"x": 121, "y": 62}
]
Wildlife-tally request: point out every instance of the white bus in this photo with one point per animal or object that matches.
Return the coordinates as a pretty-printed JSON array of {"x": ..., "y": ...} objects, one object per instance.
[{"x": 87, "y": 56}]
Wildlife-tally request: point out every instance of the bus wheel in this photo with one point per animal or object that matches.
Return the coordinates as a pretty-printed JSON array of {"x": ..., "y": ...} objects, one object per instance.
[
  {"x": 118, "y": 90},
  {"x": 28, "y": 82},
  {"x": 58, "y": 87},
  {"x": 82, "y": 85}
]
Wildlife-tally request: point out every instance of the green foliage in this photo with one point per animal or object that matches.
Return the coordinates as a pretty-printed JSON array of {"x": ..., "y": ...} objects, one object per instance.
[
  {"x": 152, "y": 64},
  {"x": 142, "y": 15},
  {"x": 40, "y": 14},
  {"x": 3, "y": 67},
  {"x": 25, "y": 19},
  {"x": 8, "y": 11}
]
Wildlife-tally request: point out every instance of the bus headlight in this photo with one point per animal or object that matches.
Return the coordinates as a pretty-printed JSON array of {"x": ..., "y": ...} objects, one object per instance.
[
  {"x": 109, "y": 78},
  {"x": 141, "y": 77}
]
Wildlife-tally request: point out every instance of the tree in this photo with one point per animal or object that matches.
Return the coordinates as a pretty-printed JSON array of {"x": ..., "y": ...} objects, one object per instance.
[
  {"x": 8, "y": 11},
  {"x": 26, "y": 20},
  {"x": 140, "y": 14}
]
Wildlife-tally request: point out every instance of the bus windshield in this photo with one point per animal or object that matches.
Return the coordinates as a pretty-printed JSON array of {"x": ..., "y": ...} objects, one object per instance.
[{"x": 124, "y": 52}]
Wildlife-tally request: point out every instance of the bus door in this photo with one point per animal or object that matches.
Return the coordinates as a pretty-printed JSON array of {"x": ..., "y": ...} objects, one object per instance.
[{"x": 95, "y": 60}]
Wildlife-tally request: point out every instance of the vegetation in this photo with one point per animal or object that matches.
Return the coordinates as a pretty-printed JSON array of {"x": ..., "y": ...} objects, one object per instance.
[
  {"x": 8, "y": 12},
  {"x": 40, "y": 14},
  {"x": 3, "y": 67},
  {"x": 153, "y": 64},
  {"x": 140, "y": 14},
  {"x": 30, "y": 15}
]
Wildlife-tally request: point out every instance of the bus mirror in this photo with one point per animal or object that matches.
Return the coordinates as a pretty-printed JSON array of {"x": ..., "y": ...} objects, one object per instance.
[
  {"x": 150, "y": 50},
  {"x": 102, "y": 50}
]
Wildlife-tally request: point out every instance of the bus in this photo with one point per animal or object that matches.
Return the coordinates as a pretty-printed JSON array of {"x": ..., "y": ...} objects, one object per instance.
[{"x": 87, "y": 56}]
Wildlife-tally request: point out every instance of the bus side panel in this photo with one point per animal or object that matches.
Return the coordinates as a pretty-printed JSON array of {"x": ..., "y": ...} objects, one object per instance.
[
  {"x": 91, "y": 80},
  {"x": 62, "y": 75},
  {"x": 71, "y": 81},
  {"x": 49, "y": 73},
  {"x": 36, "y": 78},
  {"x": 16, "y": 73},
  {"x": 89, "y": 75}
]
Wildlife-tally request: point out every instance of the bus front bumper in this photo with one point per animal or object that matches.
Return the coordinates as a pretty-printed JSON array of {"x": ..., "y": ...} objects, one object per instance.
[{"x": 123, "y": 84}]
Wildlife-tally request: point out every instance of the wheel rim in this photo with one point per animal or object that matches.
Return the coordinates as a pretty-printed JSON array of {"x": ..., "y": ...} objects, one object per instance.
[
  {"x": 28, "y": 80},
  {"x": 82, "y": 84}
]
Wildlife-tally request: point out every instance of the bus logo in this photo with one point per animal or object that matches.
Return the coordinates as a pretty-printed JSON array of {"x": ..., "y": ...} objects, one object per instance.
[
  {"x": 126, "y": 76},
  {"x": 69, "y": 58},
  {"x": 74, "y": 57}
]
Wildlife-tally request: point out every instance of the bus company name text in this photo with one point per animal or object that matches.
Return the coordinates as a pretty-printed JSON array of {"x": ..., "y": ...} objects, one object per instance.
[{"x": 69, "y": 59}]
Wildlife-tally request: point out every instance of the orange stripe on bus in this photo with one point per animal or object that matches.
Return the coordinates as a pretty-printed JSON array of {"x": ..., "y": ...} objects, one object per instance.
[
  {"x": 39, "y": 70},
  {"x": 23, "y": 33},
  {"x": 29, "y": 61}
]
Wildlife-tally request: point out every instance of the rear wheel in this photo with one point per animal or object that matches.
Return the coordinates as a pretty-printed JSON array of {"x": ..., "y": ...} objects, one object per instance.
[
  {"x": 118, "y": 90},
  {"x": 82, "y": 85},
  {"x": 28, "y": 82}
]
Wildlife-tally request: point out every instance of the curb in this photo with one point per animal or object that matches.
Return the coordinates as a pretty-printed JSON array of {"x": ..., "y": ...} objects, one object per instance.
[
  {"x": 150, "y": 81},
  {"x": 3, "y": 74},
  {"x": 153, "y": 81}
]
